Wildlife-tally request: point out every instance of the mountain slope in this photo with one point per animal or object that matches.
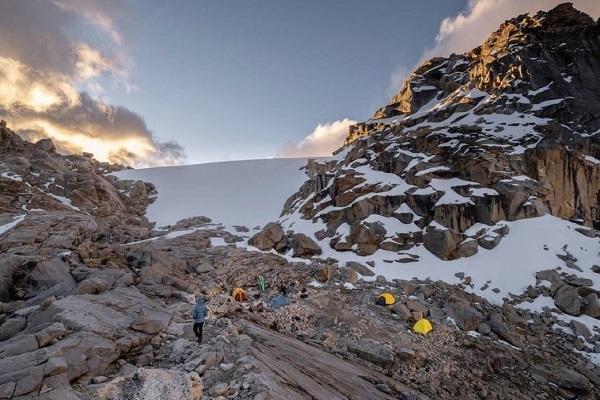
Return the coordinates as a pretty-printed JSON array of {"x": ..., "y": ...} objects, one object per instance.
[{"x": 485, "y": 165}]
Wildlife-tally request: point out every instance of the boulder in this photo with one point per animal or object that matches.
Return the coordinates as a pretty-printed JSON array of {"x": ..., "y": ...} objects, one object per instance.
[
  {"x": 7, "y": 389},
  {"x": 349, "y": 275},
  {"x": 60, "y": 393},
  {"x": 402, "y": 311},
  {"x": 466, "y": 248},
  {"x": 484, "y": 328},
  {"x": 440, "y": 241},
  {"x": 55, "y": 366},
  {"x": 268, "y": 237},
  {"x": 151, "y": 322},
  {"x": 11, "y": 327},
  {"x": 18, "y": 345},
  {"x": 466, "y": 317},
  {"x": 503, "y": 330},
  {"x": 50, "y": 273},
  {"x": 370, "y": 233},
  {"x": 51, "y": 332},
  {"x": 390, "y": 245},
  {"x": 580, "y": 329},
  {"x": 304, "y": 246},
  {"x": 365, "y": 249},
  {"x": 46, "y": 145},
  {"x": 489, "y": 240},
  {"x": 436, "y": 313},
  {"x": 372, "y": 351},
  {"x": 567, "y": 300},
  {"x": 203, "y": 359},
  {"x": 591, "y": 305},
  {"x": 359, "y": 268},
  {"x": 562, "y": 377},
  {"x": 30, "y": 382},
  {"x": 91, "y": 286}
]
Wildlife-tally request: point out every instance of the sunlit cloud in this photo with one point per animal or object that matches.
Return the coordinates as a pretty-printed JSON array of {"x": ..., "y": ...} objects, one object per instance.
[
  {"x": 97, "y": 17},
  {"x": 50, "y": 81},
  {"x": 321, "y": 142},
  {"x": 22, "y": 87},
  {"x": 397, "y": 79},
  {"x": 91, "y": 63}
]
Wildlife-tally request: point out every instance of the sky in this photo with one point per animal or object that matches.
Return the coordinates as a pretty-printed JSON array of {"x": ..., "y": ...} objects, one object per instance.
[
  {"x": 241, "y": 79},
  {"x": 148, "y": 82}
]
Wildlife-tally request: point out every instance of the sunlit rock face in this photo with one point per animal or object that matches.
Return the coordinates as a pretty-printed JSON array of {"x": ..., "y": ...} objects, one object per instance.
[{"x": 507, "y": 131}]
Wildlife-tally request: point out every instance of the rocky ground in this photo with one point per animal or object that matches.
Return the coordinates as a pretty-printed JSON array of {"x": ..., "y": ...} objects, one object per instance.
[
  {"x": 97, "y": 305},
  {"x": 96, "y": 301}
]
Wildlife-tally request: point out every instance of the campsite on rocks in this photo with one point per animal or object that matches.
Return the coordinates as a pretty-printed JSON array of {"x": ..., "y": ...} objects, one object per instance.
[{"x": 449, "y": 248}]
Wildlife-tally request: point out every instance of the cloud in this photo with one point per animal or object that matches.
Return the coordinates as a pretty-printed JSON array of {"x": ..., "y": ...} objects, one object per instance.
[
  {"x": 471, "y": 27},
  {"x": 321, "y": 142},
  {"x": 397, "y": 79},
  {"x": 54, "y": 58}
]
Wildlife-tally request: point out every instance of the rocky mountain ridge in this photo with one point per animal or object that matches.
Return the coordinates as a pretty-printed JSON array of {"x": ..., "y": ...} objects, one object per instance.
[
  {"x": 505, "y": 132},
  {"x": 503, "y": 137}
]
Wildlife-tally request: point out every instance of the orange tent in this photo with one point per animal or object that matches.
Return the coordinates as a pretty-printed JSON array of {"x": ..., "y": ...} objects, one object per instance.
[{"x": 239, "y": 294}]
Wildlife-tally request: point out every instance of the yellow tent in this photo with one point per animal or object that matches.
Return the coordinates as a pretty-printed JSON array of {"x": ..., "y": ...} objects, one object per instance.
[
  {"x": 422, "y": 326},
  {"x": 385, "y": 299},
  {"x": 239, "y": 294}
]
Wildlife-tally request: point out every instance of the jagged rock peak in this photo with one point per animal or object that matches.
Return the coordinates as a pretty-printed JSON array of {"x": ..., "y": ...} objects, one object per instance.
[
  {"x": 507, "y": 131},
  {"x": 524, "y": 55}
]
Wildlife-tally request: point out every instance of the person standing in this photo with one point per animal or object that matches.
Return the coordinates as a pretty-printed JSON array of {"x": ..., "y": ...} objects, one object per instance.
[{"x": 199, "y": 315}]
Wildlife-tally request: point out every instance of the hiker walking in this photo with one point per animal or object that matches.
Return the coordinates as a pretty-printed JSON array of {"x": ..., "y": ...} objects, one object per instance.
[{"x": 199, "y": 314}]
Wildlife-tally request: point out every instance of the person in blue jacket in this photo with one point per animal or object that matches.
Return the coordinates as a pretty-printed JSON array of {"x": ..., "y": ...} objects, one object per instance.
[{"x": 199, "y": 314}]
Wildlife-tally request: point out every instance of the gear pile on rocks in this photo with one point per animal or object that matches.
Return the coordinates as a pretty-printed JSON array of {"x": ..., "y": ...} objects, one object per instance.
[{"x": 96, "y": 302}]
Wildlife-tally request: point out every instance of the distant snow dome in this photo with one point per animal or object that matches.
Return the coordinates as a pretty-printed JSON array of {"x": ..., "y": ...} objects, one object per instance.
[{"x": 249, "y": 193}]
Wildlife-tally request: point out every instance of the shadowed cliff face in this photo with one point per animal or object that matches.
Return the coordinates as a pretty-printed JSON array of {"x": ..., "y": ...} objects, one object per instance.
[{"x": 507, "y": 131}]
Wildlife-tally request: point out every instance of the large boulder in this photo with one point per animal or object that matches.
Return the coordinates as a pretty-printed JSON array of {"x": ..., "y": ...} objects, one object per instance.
[
  {"x": 592, "y": 305},
  {"x": 91, "y": 286},
  {"x": 359, "y": 268},
  {"x": 304, "y": 246},
  {"x": 372, "y": 351},
  {"x": 490, "y": 240},
  {"x": 567, "y": 299},
  {"x": 49, "y": 273},
  {"x": 440, "y": 241},
  {"x": 11, "y": 327},
  {"x": 151, "y": 322},
  {"x": 367, "y": 233},
  {"x": 504, "y": 330},
  {"x": 467, "y": 248},
  {"x": 46, "y": 145},
  {"x": 108, "y": 314},
  {"x": 562, "y": 377},
  {"x": 465, "y": 316},
  {"x": 268, "y": 237}
]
